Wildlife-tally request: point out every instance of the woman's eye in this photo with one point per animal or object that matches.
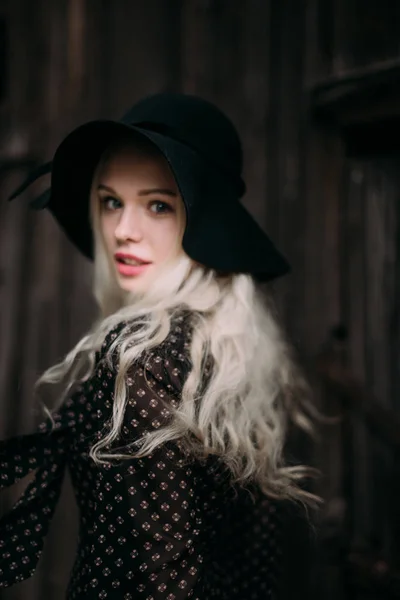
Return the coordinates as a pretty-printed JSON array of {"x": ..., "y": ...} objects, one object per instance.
[
  {"x": 160, "y": 207},
  {"x": 110, "y": 203}
]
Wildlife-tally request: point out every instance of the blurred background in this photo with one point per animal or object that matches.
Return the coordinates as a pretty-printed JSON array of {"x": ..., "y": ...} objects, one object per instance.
[{"x": 313, "y": 87}]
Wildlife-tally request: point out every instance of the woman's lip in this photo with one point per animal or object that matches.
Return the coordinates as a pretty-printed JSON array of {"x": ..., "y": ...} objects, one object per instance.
[
  {"x": 131, "y": 270},
  {"x": 123, "y": 255}
]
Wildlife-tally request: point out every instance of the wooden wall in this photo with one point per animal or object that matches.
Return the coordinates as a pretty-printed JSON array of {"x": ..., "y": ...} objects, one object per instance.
[
  {"x": 336, "y": 218},
  {"x": 352, "y": 86}
]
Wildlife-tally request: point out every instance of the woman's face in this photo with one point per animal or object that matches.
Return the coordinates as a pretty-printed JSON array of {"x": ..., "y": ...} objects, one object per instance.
[{"x": 142, "y": 215}]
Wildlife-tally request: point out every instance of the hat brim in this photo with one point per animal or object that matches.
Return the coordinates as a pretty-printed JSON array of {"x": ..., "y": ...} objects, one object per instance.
[{"x": 220, "y": 233}]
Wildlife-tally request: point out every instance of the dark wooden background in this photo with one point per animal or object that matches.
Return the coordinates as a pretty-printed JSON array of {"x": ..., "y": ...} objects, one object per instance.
[{"x": 313, "y": 87}]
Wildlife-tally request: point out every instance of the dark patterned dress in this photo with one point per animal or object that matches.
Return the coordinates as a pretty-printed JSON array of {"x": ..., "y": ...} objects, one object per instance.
[{"x": 156, "y": 528}]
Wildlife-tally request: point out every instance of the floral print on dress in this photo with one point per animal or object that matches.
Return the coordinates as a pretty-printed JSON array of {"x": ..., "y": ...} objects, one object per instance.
[{"x": 155, "y": 528}]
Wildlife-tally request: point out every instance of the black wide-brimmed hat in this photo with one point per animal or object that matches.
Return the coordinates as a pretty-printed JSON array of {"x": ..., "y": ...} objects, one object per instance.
[{"x": 204, "y": 153}]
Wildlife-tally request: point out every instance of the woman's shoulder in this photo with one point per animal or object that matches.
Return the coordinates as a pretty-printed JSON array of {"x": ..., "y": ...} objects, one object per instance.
[
  {"x": 165, "y": 365},
  {"x": 174, "y": 347},
  {"x": 169, "y": 362}
]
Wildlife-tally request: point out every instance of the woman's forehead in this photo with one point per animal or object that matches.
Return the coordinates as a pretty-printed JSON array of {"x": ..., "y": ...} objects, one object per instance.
[
  {"x": 133, "y": 145},
  {"x": 132, "y": 149},
  {"x": 132, "y": 162}
]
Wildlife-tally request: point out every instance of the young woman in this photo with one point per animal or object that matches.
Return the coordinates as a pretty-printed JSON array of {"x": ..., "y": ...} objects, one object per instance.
[{"x": 177, "y": 401}]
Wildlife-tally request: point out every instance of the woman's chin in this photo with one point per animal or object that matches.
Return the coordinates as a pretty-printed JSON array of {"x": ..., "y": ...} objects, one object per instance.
[
  {"x": 136, "y": 284},
  {"x": 132, "y": 286}
]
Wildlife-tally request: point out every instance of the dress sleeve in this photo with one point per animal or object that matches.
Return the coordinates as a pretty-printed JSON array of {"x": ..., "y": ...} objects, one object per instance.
[
  {"x": 162, "y": 486},
  {"x": 23, "y": 529}
]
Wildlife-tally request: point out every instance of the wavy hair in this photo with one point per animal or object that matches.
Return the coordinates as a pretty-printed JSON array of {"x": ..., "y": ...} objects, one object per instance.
[{"x": 255, "y": 388}]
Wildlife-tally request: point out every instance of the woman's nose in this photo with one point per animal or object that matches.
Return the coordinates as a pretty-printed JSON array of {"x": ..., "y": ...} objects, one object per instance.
[{"x": 128, "y": 227}]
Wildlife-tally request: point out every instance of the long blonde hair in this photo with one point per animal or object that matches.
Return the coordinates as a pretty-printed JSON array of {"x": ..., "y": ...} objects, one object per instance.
[{"x": 255, "y": 388}]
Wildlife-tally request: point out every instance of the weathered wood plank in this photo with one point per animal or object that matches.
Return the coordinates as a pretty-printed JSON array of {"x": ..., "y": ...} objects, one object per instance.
[{"x": 355, "y": 290}]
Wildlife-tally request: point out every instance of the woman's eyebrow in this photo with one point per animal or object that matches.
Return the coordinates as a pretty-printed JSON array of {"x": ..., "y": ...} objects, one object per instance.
[
  {"x": 164, "y": 191},
  {"x": 106, "y": 188}
]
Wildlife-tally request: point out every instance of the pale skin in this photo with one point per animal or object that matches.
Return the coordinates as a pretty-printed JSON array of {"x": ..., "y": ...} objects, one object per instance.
[{"x": 141, "y": 214}]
